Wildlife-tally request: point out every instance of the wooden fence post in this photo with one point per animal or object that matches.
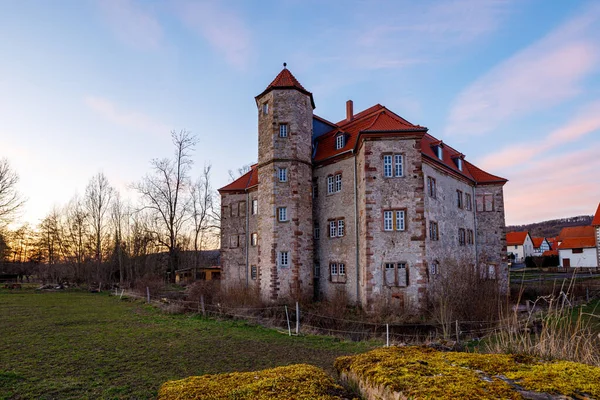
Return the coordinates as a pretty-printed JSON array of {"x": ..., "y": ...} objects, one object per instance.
[
  {"x": 297, "y": 319},
  {"x": 148, "y": 294}
]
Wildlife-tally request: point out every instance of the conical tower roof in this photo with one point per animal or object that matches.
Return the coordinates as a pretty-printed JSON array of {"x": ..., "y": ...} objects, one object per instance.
[{"x": 285, "y": 80}]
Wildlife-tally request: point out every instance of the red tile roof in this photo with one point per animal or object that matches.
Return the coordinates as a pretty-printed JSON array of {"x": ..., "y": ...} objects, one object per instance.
[
  {"x": 596, "y": 220},
  {"x": 537, "y": 241},
  {"x": 577, "y": 243},
  {"x": 515, "y": 238},
  {"x": 373, "y": 119},
  {"x": 285, "y": 80},
  {"x": 244, "y": 182},
  {"x": 550, "y": 253},
  {"x": 576, "y": 232}
]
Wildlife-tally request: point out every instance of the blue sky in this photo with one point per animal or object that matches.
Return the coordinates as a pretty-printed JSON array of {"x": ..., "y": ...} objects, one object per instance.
[{"x": 89, "y": 86}]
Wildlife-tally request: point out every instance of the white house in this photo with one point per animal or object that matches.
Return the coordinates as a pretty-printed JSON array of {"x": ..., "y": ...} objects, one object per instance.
[
  {"x": 540, "y": 245},
  {"x": 578, "y": 252},
  {"x": 520, "y": 245}
]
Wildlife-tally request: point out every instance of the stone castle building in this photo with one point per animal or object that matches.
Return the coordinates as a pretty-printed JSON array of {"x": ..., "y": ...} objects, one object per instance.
[{"x": 372, "y": 206}]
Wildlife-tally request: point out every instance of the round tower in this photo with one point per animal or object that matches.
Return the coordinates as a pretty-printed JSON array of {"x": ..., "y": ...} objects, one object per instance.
[{"x": 285, "y": 225}]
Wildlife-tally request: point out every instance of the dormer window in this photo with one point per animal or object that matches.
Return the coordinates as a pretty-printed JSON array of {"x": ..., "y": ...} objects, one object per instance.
[
  {"x": 340, "y": 141},
  {"x": 439, "y": 152},
  {"x": 458, "y": 161}
]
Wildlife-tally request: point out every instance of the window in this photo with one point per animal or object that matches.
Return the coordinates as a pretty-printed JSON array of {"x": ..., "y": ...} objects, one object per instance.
[
  {"x": 468, "y": 202},
  {"x": 315, "y": 189},
  {"x": 317, "y": 231},
  {"x": 282, "y": 173},
  {"x": 332, "y": 228},
  {"x": 283, "y": 130},
  {"x": 470, "y": 236},
  {"x": 393, "y": 165},
  {"x": 340, "y": 141},
  {"x": 334, "y": 183},
  {"x": 433, "y": 231},
  {"x": 434, "y": 268},
  {"x": 439, "y": 152},
  {"x": 459, "y": 163},
  {"x": 233, "y": 210},
  {"x": 282, "y": 214},
  {"x": 398, "y": 165},
  {"x": 254, "y": 206},
  {"x": 577, "y": 251},
  {"x": 337, "y": 228},
  {"x": 485, "y": 202},
  {"x": 254, "y": 239},
  {"x": 223, "y": 211},
  {"x": 234, "y": 241},
  {"x": 253, "y": 272},
  {"x": 265, "y": 108},
  {"x": 317, "y": 270},
  {"x": 394, "y": 220},
  {"x": 284, "y": 259},
  {"x": 242, "y": 208},
  {"x": 461, "y": 236},
  {"x": 340, "y": 228},
  {"x": 387, "y": 166},
  {"x": 459, "y": 198},
  {"x": 431, "y": 187},
  {"x": 396, "y": 274},
  {"x": 337, "y": 272}
]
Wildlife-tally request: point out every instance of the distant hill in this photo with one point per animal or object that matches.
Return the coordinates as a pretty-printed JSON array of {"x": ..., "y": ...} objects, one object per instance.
[{"x": 551, "y": 228}]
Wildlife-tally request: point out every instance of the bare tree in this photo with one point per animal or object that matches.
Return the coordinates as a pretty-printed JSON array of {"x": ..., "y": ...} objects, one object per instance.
[
  {"x": 98, "y": 197},
  {"x": 233, "y": 175},
  {"x": 10, "y": 199},
  {"x": 118, "y": 216},
  {"x": 77, "y": 232},
  {"x": 202, "y": 210},
  {"x": 164, "y": 194}
]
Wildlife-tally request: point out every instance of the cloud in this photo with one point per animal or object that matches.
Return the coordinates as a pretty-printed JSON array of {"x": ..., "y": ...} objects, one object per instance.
[
  {"x": 221, "y": 27},
  {"x": 127, "y": 119},
  {"x": 543, "y": 75},
  {"x": 585, "y": 122},
  {"x": 132, "y": 24},
  {"x": 554, "y": 187}
]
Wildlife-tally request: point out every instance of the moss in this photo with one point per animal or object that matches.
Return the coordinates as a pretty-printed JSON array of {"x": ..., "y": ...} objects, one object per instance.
[
  {"x": 300, "y": 381},
  {"x": 562, "y": 377},
  {"x": 420, "y": 372}
]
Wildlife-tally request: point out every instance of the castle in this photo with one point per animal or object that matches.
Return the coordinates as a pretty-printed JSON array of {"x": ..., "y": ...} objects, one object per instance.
[{"x": 371, "y": 206}]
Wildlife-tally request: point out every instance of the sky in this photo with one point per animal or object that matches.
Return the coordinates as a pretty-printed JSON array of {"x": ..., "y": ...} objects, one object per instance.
[{"x": 90, "y": 86}]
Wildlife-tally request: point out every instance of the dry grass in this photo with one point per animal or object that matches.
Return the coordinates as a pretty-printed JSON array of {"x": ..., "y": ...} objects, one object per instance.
[{"x": 552, "y": 329}]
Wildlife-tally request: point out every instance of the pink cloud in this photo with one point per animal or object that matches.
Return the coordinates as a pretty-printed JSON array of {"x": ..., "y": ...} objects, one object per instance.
[
  {"x": 555, "y": 187},
  {"x": 514, "y": 157},
  {"x": 542, "y": 75},
  {"x": 132, "y": 23}
]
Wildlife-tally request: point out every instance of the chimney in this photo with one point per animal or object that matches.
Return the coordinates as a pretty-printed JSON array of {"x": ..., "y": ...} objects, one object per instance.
[{"x": 349, "y": 110}]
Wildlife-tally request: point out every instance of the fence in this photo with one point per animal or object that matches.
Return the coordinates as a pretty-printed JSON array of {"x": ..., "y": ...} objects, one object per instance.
[{"x": 291, "y": 320}]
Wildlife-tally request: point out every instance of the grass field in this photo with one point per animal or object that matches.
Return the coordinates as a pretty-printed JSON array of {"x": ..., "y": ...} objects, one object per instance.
[{"x": 79, "y": 345}]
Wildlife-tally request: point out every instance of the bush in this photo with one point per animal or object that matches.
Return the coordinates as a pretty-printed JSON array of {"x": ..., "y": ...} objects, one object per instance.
[{"x": 529, "y": 262}]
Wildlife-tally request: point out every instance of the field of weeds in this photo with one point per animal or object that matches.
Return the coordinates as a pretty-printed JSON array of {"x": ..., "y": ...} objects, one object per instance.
[{"x": 73, "y": 344}]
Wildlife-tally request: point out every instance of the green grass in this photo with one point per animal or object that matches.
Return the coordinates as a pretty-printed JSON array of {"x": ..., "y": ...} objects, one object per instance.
[{"x": 61, "y": 345}]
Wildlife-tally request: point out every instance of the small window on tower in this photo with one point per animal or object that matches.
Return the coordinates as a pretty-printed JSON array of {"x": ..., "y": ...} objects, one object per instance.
[
  {"x": 283, "y": 130},
  {"x": 265, "y": 108}
]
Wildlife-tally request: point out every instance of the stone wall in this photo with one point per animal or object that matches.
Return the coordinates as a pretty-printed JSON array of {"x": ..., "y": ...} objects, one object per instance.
[
  {"x": 443, "y": 209},
  {"x": 233, "y": 238},
  {"x": 408, "y": 246},
  {"x": 293, "y": 152},
  {"x": 491, "y": 233},
  {"x": 334, "y": 207}
]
